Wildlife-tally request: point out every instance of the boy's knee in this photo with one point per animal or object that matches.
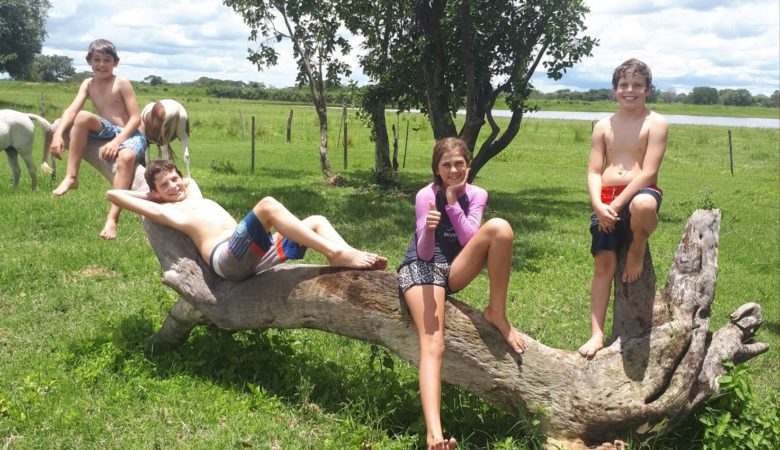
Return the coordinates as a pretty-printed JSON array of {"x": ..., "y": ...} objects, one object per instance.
[
  {"x": 266, "y": 205},
  {"x": 643, "y": 204},
  {"x": 604, "y": 264},
  {"x": 83, "y": 117},
  {"x": 125, "y": 158},
  {"x": 315, "y": 221}
]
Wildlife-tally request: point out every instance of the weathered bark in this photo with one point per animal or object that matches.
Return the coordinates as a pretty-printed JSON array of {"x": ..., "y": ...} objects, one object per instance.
[{"x": 661, "y": 363}]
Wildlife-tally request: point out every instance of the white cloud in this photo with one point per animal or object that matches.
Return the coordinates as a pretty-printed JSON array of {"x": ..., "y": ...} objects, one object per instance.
[{"x": 687, "y": 43}]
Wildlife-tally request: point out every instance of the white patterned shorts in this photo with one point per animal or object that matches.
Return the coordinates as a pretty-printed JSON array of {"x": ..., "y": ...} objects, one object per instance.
[{"x": 423, "y": 273}]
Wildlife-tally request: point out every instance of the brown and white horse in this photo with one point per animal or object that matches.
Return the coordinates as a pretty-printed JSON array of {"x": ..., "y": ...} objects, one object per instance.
[{"x": 164, "y": 121}]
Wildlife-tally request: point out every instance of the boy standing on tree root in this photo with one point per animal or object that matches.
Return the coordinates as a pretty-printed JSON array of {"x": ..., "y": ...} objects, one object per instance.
[{"x": 626, "y": 152}]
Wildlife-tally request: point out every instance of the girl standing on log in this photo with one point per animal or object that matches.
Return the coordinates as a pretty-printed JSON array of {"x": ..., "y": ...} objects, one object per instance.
[{"x": 449, "y": 249}]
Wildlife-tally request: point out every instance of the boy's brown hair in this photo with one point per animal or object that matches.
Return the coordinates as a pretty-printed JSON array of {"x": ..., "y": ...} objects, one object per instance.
[
  {"x": 102, "y": 46},
  {"x": 630, "y": 67},
  {"x": 157, "y": 167}
]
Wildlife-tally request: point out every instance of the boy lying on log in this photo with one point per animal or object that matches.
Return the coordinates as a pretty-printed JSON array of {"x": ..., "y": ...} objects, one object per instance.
[{"x": 234, "y": 250}]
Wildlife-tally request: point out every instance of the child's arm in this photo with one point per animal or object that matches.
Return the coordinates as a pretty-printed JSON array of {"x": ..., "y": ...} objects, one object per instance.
[
  {"x": 143, "y": 204},
  {"x": 658, "y": 134},
  {"x": 606, "y": 214},
  {"x": 427, "y": 218},
  {"x": 66, "y": 121},
  {"x": 109, "y": 150},
  {"x": 467, "y": 225}
]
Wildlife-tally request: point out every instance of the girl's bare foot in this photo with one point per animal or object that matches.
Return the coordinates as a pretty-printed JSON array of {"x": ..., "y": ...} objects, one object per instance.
[
  {"x": 67, "y": 184},
  {"x": 441, "y": 444},
  {"x": 594, "y": 344},
  {"x": 511, "y": 336}
]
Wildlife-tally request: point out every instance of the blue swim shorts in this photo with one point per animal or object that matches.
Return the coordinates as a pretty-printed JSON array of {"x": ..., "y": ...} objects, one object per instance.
[
  {"x": 252, "y": 249},
  {"x": 621, "y": 234},
  {"x": 136, "y": 142}
]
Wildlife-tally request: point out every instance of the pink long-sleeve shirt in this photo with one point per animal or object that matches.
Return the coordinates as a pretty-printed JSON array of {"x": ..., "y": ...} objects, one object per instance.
[{"x": 459, "y": 223}]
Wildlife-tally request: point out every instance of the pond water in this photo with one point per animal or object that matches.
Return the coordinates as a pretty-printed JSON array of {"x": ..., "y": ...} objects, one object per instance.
[{"x": 747, "y": 122}]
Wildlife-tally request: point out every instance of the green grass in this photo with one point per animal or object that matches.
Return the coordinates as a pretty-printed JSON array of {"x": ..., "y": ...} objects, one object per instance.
[{"x": 74, "y": 310}]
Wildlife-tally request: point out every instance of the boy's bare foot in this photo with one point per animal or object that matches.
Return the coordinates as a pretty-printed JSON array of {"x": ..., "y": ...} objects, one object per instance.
[
  {"x": 594, "y": 344},
  {"x": 441, "y": 444},
  {"x": 634, "y": 262},
  {"x": 356, "y": 259},
  {"x": 67, "y": 184},
  {"x": 109, "y": 230},
  {"x": 511, "y": 336},
  {"x": 380, "y": 263}
]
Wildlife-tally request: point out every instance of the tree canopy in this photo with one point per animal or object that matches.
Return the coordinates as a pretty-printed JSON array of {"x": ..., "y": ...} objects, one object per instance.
[
  {"x": 22, "y": 31},
  {"x": 53, "y": 68},
  {"x": 312, "y": 27},
  {"x": 445, "y": 55}
]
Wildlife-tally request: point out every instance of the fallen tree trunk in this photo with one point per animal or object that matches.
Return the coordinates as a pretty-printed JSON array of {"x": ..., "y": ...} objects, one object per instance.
[{"x": 661, "y": 363}]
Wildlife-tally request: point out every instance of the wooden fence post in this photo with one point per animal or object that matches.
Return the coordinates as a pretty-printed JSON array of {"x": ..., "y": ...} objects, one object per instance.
[
  {"x": 243, "y": 126},
  {"x": 406, "y": 142},
  {"x": 253, "y": 146},
  {"x": 289, "y": 126},
  {"x": 731, "y": 155},
  {"x": 345, "y": 140}
]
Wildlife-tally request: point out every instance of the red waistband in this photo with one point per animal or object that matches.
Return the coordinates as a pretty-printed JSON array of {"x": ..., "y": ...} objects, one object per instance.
[{"x": 608, "y": 193}]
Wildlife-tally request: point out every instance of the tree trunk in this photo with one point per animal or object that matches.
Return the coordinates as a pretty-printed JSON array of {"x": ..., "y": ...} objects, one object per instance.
[
  {"x": 661, "y": 363},
  {"x": 381, "y": 144},
  {"x": 433, "y": 63}
]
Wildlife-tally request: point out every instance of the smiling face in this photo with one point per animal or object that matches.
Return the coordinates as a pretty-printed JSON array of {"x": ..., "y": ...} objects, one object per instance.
[
  {"x": 632, "y": 91},
  {"x": 452, "y": 168},
  {"x": 102, "y": 64},
  {"x": 170, "y": 187}
]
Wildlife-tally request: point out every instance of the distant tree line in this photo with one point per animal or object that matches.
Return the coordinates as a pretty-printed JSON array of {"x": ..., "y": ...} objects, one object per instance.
[
  {"x": 700, "y": 95},
  {"x": 335, "y": 94}
]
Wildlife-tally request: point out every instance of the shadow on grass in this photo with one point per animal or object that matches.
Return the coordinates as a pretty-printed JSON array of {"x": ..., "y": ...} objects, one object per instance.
[
  {"x": 771, "y": 327},
  {"x": 287, "y": 365}
]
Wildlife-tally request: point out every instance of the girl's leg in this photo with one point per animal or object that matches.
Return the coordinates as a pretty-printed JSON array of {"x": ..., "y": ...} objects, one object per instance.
[
  {"x": 426, "y": 305},
  {"x": 491, "y": 246}
]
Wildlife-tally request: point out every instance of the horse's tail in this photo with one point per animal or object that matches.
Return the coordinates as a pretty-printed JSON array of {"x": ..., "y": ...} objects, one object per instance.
[
  {"x": 48, "y": 134},
  {"x": 169, "y": 126}
]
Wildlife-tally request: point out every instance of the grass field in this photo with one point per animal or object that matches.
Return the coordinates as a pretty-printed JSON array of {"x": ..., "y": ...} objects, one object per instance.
[{"x": 75, "y": 310}]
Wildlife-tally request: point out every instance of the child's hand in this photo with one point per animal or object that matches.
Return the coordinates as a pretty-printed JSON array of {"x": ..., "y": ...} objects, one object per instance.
[
  {"x": 109, "y": 151},
  {"x": 454, "y": 190},
  {"x": 433, "y": 217},
  {"x": 607, "y": 217},
  {"x": 57, "y": 146}
]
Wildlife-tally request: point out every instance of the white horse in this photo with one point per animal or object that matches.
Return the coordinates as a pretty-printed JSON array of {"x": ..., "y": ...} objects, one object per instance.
[
  {"x": 163, "y": 121},
  {"x": 17, "y": 133}
]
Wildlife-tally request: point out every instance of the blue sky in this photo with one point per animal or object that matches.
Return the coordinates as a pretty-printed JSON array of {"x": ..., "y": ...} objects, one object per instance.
[{"x": 687, "y": 43}]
